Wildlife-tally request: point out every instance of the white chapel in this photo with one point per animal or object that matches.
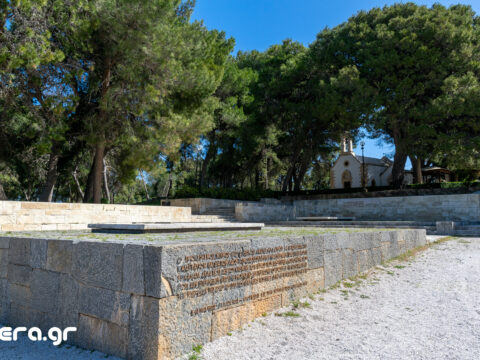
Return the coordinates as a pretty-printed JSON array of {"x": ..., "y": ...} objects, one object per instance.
[{"x": 347, "y": 170}]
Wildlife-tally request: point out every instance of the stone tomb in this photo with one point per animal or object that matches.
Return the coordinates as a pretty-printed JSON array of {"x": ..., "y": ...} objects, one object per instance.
[
  {"x": 155, "y": 296},
  {"x": 172, "y": 227}
]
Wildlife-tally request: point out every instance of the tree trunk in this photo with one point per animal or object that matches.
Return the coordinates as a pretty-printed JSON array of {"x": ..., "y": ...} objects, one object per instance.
[
  {"x": 144, "y": 184},
  {"x": 3, "y": 196},
  {"x": 266, "y": 172},
  {"x": 105, "y": 180},
  {"x": 52, "y": 175},
  {"x": 98, "y": 171},
  {"x": 291, "y": 169},
  {"x": 399, "y": 160},
  {"x": 301, "y": 175},
  {"x": 88, "y": 195},
  {"x": 417, "y": 169},
  {"x": 288, "y": 177},
  {"x": 203, "y": 173},
  {"x": 398, "y": 170},
  {"x": 101, "y": 143},
  {"x": 79, "y": 188},
  {"x": 169, "y": 182}
]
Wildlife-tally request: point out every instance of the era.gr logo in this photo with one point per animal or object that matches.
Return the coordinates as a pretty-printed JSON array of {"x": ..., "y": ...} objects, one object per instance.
[{"x": 35, "y": 334}]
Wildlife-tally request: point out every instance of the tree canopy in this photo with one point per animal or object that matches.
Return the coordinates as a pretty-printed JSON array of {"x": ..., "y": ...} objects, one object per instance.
[{"x": 126, "y": 100}]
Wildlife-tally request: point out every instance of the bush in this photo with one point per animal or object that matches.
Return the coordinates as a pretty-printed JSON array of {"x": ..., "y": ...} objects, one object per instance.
[
  {"x": 256, "y": 194},
  {"x": 445, "y": 185},
  {"x": 220, "y": 193},
  {"x": 459, "y": 184},
  {"x": 187, "y": 192}
]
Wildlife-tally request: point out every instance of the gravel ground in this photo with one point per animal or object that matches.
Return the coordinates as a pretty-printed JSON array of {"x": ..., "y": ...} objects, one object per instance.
[
  {"x": 426, "y": 308},
  {"x": 24, "y": 349}
]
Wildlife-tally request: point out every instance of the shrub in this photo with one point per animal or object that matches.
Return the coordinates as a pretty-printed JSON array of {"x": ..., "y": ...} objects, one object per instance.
[{"x": 220, "y": 193}]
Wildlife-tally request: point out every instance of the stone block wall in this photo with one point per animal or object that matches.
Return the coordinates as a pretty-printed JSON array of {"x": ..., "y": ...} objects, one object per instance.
[
  {"x": 201, "y": 205},
  {"x": 37, "y": 216},
  {"x": 427, "y": 208},
  {"x": 264, "y": 212},
  {"x": 156, "y": 302},
  {"x": 463, "y": 207}
]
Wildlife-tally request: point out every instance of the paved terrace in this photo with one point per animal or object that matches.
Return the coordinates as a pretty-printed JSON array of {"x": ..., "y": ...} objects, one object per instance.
[{"x": 183, "y": 238}]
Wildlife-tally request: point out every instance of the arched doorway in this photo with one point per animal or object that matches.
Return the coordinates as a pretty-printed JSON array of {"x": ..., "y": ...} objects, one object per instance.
[{"x": 347, "y": 179}]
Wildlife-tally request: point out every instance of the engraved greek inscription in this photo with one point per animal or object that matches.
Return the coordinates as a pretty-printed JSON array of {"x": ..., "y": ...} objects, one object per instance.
[{"x": 203, "y": 274}]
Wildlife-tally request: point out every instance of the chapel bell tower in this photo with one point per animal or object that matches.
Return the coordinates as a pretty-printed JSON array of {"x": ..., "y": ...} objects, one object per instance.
[{"x": 347, "y": 145}]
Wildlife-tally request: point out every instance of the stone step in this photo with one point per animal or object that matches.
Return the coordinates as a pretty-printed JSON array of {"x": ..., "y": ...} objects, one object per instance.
[
  {"x": 212, "y": 218},
  {"x": 346, "y": 226},
  {"x": 217, "y": 211},
  {"x": 364, "y": 223},
  {"x": 467, "y": 228},
  {"x": 172, "y": 227},
  {"x": 467, "y": 233}
]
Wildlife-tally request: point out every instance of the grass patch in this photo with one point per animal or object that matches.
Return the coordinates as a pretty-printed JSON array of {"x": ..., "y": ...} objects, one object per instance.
[
  {"x": 288, "y": 314},
  {"x": 409, "y": 254},
  {"x": 305, "y": 304},
  {"x": 336, "y": 285},
  {"x": 197, "y": 349},
  {"x": 399, "y": 266},
  {"x": 364, "y": 297}
]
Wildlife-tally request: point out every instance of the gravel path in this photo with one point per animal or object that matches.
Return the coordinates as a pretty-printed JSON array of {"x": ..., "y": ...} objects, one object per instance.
[
  {"x": 428, "y": 308},
  {"x": 24, "y": 349}
]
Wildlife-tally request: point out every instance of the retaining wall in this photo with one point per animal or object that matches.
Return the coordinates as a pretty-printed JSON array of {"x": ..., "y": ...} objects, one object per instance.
[
  {"x": 201, "y": 205},
  {"x": 35, "y": 216},
  {"x": 464, "y": 207},
  {"x": 265, "y": 212},
  {"x": 430, "y": 208},
  {"x": 156, "y": 302}
]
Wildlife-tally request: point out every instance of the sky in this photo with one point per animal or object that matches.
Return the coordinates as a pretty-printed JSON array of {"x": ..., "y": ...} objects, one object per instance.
[{"x": 257, "y": 24}]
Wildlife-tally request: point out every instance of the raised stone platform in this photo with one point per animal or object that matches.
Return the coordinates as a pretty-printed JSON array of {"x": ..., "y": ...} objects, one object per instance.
[
  {"x": 464, "y": 228},
  {"x": 172, "y": 227},
  {"x": 42, "y": 216},
  {"x": 154, "y": 296},
  {"x": 325, "y": 218}
]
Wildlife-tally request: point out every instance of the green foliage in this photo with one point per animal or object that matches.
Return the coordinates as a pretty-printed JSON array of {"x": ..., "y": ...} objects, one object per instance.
[
  {"x": 288, "y": 314},
  {"x": 127, "y": 100},
  {"x": 447, "y": 185},
  {"x": 221, "y": 193},
  {"x": 417, "y": 67},
  {"x": 125, "y": 80}
]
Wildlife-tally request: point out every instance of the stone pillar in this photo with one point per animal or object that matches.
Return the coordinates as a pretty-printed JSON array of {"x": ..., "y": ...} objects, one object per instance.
[{"x": 445, "y": 228}]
